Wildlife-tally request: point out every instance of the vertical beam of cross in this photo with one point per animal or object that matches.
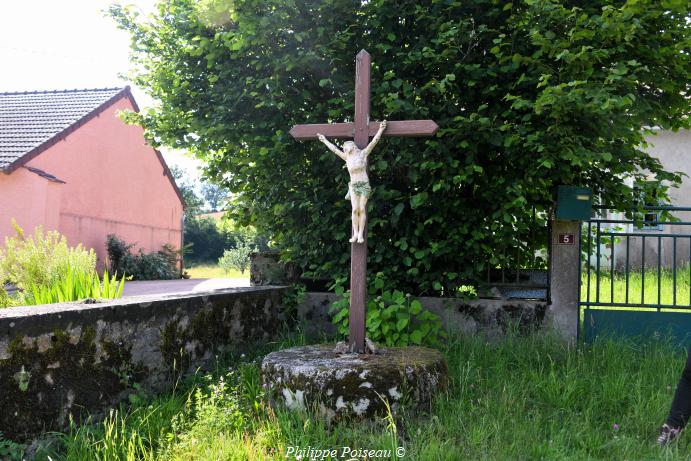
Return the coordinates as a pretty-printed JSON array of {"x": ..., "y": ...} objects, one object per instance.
[{"x": 358, "y": 251}]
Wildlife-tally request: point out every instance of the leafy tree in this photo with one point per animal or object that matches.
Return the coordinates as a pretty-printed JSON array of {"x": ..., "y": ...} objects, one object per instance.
[
  {"x": 193, "y": 202},
  {"x": 210, "y": 238},
  {"x": 206, "y": 238},
  {"x": 237, "y": 257},
  {"x": 528, "y": 94},
  {"x": 214, "y": 195},
  {"x": 208, "y": 241}
]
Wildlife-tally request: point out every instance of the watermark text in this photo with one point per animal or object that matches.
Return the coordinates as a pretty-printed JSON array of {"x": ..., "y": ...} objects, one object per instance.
[{"x": 310, "y": 453}]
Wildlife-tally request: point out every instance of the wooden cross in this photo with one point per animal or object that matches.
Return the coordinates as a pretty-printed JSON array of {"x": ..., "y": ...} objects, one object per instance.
[{"x": 361, "y": 129}]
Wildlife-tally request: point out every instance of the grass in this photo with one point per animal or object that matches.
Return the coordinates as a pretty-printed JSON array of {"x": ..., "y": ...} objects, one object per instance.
[
  {"x": 642, "y": 288},
  {"x": 522, "y": 398},
  {"x": 213, "y": 271}
]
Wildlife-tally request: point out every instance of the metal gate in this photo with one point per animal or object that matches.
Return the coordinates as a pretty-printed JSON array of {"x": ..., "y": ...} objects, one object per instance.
[{"x": 636, "y": 274}]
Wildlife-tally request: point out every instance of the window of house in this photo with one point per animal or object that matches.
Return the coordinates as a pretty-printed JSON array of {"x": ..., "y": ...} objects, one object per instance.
[{"x": 650, "y": 218}]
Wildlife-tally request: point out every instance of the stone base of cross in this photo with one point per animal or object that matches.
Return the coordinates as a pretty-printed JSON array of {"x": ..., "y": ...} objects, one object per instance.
[{"x": 360, "y": 130}]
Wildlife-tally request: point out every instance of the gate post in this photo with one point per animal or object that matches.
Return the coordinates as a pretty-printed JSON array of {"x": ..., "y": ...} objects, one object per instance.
[{"x": 564, "y": 275}]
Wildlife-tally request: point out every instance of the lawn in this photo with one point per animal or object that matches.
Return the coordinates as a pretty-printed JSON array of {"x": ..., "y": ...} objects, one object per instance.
[
  {"x": 525, "y": 397},
  {"x": 613, "y": 289},
  {"x": 213, "y": 271}
]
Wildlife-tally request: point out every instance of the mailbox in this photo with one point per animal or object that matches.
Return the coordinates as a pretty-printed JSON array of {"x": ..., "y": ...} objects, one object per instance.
[{"x": 574, "y": 203}]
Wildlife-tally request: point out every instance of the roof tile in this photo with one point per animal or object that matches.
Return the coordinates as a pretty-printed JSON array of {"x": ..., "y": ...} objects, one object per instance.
[{"x": 29, "y": 119}]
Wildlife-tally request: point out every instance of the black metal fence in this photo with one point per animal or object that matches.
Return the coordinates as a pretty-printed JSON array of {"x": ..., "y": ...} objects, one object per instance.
[
  {"x": 643, "y": 262},
  {"x": 522, "y": 268}
]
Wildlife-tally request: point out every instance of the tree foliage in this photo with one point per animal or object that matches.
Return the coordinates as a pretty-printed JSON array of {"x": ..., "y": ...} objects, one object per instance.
[
  {"x": 193, "y": 203},
  {"x": 528, "y": 94},
  {"x": 237, "y": 257},
  {"x": 214, "y": 195},
  {"x": 209, "y": 238}
]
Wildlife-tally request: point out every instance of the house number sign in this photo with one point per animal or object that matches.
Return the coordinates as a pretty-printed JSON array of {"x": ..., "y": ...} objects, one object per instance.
[{"x": 566, "y": 239}]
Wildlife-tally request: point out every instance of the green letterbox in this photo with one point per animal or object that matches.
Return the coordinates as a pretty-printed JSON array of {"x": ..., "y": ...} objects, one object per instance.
[{"x": 574, "y": 203}]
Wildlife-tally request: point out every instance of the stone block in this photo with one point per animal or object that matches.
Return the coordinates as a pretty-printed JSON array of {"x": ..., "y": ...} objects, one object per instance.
[{"x": 340, "y": 386}]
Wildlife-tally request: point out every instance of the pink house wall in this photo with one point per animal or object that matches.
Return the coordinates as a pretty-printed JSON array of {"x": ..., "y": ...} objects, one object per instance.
[
  {"x": 29, "y": 199},
  {"x": 114, "y": 183}
]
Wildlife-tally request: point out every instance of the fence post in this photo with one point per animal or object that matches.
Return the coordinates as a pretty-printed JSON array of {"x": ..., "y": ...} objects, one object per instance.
[{"x": 564, "y": 274}]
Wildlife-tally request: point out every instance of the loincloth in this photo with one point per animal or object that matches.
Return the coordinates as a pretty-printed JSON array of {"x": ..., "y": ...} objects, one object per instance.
[{"x": 361, "y": 188}]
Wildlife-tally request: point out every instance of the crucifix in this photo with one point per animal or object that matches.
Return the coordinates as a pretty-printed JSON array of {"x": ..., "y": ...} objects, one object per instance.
[{"x": 355, "y": 154}]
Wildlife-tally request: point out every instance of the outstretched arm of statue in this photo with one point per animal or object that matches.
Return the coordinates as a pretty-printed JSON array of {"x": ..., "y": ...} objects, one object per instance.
[
  {"x": 376, "y": 138},
  {"x": 331, "y": 147}
]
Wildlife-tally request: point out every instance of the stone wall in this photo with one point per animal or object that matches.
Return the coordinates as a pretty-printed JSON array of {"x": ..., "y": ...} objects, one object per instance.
[
  {"x": 267, "y": 269},
  {"x": 75, "y": 359},
  {"x": 489, "y": 316}
]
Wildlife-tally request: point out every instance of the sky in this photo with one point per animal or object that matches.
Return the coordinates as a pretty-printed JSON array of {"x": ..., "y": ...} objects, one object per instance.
[{"x": 67, "y": 44}]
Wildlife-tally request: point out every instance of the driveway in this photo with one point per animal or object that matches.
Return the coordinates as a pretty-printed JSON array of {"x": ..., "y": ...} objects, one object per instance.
[{"x": 159, "y": 287}]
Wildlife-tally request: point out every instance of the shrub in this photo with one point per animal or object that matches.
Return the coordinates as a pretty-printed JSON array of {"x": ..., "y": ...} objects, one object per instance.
[
  {"x": 5, "y": 299},
  {"x": 46, "y": 270},
  {"x": 393, "y": 318},
  {"x": 157, "y": 265},
  {"x": 39, "y": 260},
  {"x": 237, "y": 258},
  {"x": 117, "y": 250}
]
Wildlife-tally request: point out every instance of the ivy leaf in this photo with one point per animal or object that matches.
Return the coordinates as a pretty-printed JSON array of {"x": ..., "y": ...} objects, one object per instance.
[
  {"x": 397, "y": 210},
  {"x": 416, "y": 337},
  {"x": 415, "y": 307},
  {"x": 418, "y": 199}
]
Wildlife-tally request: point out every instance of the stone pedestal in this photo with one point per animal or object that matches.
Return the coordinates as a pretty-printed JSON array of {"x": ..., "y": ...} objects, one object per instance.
[{"x": 352, "y": 385}]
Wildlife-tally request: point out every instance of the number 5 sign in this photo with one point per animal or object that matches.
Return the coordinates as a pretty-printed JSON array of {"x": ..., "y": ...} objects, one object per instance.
[{"x": 566, "y": 239}]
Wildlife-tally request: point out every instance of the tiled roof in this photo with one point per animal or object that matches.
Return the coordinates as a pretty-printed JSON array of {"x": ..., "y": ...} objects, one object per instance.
[{"x": 30, "y": 120}]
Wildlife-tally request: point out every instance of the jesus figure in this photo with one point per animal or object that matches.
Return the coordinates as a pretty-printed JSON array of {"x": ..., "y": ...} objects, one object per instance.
[{"x": 359, "y": 189}]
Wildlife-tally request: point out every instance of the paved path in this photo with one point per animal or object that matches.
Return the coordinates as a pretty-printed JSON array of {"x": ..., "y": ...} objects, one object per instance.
[{"x": 157, "y": 287}]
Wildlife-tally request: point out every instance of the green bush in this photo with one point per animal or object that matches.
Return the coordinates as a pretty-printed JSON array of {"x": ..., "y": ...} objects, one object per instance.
[
  {"x": 393, "y": 318},
  {"x": 237, "y": 258},
  {"x": 157, "y": 265},
  {"x": 39, "y": 260}
]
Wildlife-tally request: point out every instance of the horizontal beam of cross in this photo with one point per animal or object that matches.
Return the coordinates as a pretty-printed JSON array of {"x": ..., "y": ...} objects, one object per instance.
[{"x": 407, "y": 128}]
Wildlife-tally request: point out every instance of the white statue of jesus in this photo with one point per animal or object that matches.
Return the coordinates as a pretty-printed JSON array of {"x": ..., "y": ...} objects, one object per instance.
[{"x": 359, "y": 189}]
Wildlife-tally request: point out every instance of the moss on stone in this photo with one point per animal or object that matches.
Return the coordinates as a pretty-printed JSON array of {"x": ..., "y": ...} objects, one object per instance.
[
  {"x": 346, "y": 385},
  {"x": 64, "y": 375},
  {"x": 526, "y": 317},
  {"x": 212, "y": 329},
  {"x": 209, "y": 328},
  {"x": 173, "y": 341}
]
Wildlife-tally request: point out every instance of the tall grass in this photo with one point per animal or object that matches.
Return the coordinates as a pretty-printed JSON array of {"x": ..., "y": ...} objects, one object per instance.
[
  {"x": 75, "y": 285},
  {"x": 525, "y": 397}
]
